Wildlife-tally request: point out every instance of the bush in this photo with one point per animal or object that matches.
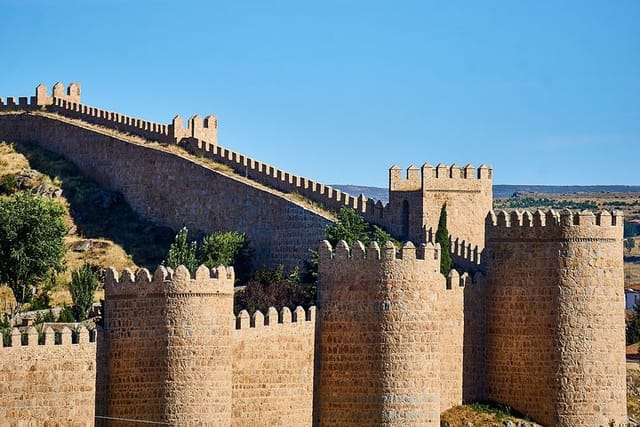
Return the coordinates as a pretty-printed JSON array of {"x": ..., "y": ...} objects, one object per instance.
[
  {"x": 227, "y": 248},
  {"x": 8, "y": 184},
  {"x": 66, "y": 315},
  {"x": 273, "y": 288}
]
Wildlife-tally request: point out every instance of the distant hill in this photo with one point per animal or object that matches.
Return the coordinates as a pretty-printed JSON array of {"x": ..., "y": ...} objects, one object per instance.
[{"x": 502, "y": 191}]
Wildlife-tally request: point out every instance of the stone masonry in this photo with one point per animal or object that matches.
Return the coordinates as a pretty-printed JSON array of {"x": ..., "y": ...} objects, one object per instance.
[{"x": 532, "y": 316}]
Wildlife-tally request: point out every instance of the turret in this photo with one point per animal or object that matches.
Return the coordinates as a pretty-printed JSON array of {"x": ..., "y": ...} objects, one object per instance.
[{"x": 556, "y": 316}]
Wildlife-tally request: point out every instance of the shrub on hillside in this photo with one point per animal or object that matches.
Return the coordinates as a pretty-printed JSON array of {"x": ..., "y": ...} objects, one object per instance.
[{"x": 82, "y": 287}]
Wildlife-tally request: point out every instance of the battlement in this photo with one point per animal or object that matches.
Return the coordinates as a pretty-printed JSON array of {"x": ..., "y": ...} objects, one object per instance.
[
  {"x": 550, "y": 224},
  {"x": 67, "y": 103},
  {"x": 29, "y": 337},
  {"x": 416, "y": 179},
  {"x": 167, "y": 281},
  {"x": 279, "y": 179},
  {"x": 244, "y": 321},
  {"x": 427, "y": 252}
]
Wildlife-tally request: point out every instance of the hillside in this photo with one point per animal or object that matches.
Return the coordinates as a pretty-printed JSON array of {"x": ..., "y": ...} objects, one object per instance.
[
  {"x": 506, "y": 191},
  {"x": 103, "y": 229}
]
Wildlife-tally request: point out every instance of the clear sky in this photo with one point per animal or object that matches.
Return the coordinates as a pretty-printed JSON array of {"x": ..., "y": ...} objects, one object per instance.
[{"x": 547, "y": 92}]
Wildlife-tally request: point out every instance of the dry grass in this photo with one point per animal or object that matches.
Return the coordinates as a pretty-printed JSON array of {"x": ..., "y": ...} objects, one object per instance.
[
  {"x": 104, "y": 251},
  {"x": 10, "y": 160},
  {"x": 480, "y": 415},
  {"x": 633, "y": 393}
]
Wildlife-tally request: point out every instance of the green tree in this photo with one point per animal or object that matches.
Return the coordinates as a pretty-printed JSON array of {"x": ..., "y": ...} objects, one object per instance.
[
  {"x": 442, "y": 237},
  {"x": 633, "y": 325},
  {"x": 227, "y": 248},
  {"x": 629, "y": 244},
  {"x": 82, "y": 287},
  {"x": 31, "y": 242},
  {"x": 183, "y": 252},
  {"x": 351, "y": 227}
]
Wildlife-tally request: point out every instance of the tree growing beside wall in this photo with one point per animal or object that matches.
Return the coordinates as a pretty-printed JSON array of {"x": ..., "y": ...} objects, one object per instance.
[
  {"x": 227, "y": 248},
  {"x": 183, "y": 252},
  {"x": 82, "y": 287},
  {"x": 351, "y": 227},
  {"x": 31, "y": 242},
  {"x": 442, "y": 237}
]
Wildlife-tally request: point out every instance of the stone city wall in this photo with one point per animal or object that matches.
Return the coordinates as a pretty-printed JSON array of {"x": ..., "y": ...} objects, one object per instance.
[
  {"x": 555, "y": 343},
  {"x": 273, "y": 368},
  {"x": 416, "y": 198},
  {"x": 68, "y": 104},
  {"x": 379, "y": 344},
  {"x": 170, "y": 346},
  {"x": 175, "y": 191},
  {"x": 46, "y": 383}
]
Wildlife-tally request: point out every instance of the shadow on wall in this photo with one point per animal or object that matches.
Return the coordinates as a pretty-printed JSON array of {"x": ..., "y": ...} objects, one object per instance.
[{"x": 100, "y": 213}]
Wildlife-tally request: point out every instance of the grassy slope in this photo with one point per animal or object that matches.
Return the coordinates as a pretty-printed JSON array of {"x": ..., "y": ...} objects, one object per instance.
[{"x": 119, "y": 238}]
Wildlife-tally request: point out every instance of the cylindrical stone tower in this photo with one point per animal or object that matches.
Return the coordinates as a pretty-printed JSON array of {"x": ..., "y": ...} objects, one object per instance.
[
  {"x": 556, "y": 316},
  {"x": 169, "y": 343},
  {"x": 199, "y": 322},
  {"x": 378, "y": 336}
]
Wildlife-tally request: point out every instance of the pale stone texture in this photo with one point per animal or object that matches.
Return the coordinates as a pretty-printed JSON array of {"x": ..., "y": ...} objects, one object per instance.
[
  {"x": 378, "y": 348},
  {"x": 555, "y": 326},
  {"x": 48, "y": 384},
  {"x": 273, "y": 366},
  {"x": 539, "y": 326}
]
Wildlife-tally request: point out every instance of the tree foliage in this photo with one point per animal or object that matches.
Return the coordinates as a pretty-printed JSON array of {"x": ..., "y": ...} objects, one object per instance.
[
  {"x": 633, "y": 325},
  {"x": 220, "y": 248},
  {"x": 31, "y": 242},
  {"x": 629, "y": 244},
  {"x": 82, "y": 287},
  {"x": 442, "y": 237},
  {"x": 183, "y": 252},
  {"x": 351, "y": 227}
]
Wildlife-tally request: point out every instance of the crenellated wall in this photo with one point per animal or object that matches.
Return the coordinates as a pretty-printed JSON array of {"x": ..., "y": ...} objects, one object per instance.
[
  {"x": 170, "y": 346},
  {"x": 539, "y": 326},
  {"x": 416, "y": 198},
  {"x": 34, "y": 376},
  {"x": 390, "y": 336},
  {"x": 555, "y": 345},
  {"x": 175, "y": 191},
  {"x": 67, "y": 103},
  {"x": 273, "y": 368}
]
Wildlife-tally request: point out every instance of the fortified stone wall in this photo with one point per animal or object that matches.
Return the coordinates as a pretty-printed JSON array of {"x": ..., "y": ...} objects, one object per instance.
[
  {"x": 174, "y": 191},
  {"x": 390, "y": 336},
  {"x": 48, "y": 383},
  {"x": 273, "y": 368},
  {"x": 68, "y": 104},
  {"x": 415, "y": 201},
  {"x": 555, "y": 320},
  {"x": 170, "y": 345}
]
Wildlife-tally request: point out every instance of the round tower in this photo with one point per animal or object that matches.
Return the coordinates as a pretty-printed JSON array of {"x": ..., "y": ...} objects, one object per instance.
[
  {"x": 199, "y": 320},
  {"x": 556, "y": 316},
  {"x": 169, "y": 345},
  {"x": 378, "y": 342}
]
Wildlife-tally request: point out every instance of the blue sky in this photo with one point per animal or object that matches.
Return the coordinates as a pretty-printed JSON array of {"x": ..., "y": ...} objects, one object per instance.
[{"x": 547, "y": 92}]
